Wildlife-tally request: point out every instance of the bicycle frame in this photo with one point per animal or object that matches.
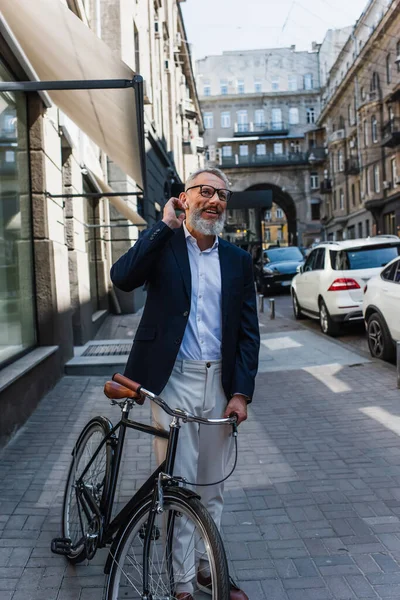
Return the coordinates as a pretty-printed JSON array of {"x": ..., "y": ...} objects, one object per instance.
[{"x": 110, "y": 528}]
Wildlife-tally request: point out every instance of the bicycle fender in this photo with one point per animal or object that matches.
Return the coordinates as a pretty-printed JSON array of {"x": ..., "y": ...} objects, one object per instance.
[
  {"x": 103, "y": 421},
  {"x": 170, "y": 491}
]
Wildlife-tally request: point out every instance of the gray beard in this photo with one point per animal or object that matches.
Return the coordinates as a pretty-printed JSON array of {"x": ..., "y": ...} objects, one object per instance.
[{"x": 203, "y": 226}]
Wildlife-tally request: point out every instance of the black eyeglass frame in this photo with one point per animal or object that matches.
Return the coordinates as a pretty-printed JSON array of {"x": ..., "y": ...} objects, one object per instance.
[{"x": 229, "y": 192}]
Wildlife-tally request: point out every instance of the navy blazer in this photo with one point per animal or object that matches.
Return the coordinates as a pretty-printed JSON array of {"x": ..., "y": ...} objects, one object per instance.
[{"x": 160, "y": 259}]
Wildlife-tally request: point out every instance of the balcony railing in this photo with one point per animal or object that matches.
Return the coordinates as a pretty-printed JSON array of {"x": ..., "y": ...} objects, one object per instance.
[
  {"x": 391, "y": 133},
  {"x": 317, "y": 155},
  {"x": 325, "y": 187},
  {"x": 273, "y": 128},
  {"x": 337, "y": 135},
  {"x": 291, "y": 158},
  {"x": 351, "y": 166}
]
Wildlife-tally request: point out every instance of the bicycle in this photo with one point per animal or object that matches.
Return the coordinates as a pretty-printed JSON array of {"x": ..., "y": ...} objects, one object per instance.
[{"x": 144, "y": 536}]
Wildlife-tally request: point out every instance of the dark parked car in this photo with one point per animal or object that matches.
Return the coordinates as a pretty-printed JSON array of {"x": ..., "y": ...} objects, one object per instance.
[{"x": 277, "y": 268}]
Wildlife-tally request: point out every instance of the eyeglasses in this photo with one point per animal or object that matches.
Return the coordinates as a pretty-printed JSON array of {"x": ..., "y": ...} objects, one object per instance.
[{"x": 208, "y": 191}]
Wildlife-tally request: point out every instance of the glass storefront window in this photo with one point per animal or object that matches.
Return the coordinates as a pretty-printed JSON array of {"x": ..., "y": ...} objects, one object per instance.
[{"x": 17, "y": 307}]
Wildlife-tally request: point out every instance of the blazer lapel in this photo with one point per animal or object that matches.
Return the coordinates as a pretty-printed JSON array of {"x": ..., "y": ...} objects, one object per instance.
[
  {"x": 226, "y": 274},
  {"x": 179, "y": 248}
]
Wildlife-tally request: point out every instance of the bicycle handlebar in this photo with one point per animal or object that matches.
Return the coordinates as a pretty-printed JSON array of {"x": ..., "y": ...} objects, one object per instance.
[{"x": 141, "y": 392}]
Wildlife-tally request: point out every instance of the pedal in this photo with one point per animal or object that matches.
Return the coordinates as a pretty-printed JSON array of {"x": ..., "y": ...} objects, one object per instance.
[{"x": 61, "y": 546}]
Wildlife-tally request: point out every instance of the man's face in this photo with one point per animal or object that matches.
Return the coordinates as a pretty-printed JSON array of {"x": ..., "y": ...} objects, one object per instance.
[{"x": 205, "y": 215}]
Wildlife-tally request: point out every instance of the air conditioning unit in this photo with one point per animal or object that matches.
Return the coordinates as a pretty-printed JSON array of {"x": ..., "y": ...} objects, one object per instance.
[{"x": 387, "y": 185}]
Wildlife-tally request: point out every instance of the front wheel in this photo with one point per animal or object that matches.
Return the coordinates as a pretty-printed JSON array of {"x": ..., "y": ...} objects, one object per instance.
[
  {"x": 379, "y": 339},
  {"x": 186, "y": 553},
  {"x": 76, "y": 524},
  {"x": 296, "y": 307},
  {"x": 328, "y": 326}
]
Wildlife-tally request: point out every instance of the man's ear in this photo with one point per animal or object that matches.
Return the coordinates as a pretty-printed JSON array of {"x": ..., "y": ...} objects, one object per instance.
[{"x": 183, "y": 199}]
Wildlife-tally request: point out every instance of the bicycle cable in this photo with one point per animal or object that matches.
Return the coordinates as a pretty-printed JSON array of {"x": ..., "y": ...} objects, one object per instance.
[{"x": 225, "y": 478}]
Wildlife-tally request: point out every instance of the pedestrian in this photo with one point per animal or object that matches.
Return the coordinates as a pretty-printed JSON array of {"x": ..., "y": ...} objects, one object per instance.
[{"x": 198, "y": 340}]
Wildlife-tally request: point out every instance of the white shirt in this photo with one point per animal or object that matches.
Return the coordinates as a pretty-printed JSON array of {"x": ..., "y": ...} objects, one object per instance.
[{"x": 203, "y": 333}]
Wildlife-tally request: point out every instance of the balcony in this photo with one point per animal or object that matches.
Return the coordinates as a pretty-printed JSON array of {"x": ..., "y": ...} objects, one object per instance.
[
  {"x": 317, "y": 155},
  {"x": 325, "y": 187},
  {"x": 269, "y": 159},
  {"x": 351, "y": 166},
  {"x": 391, "y": 133},
  {"x": 271, "y": 129},
  {"x": 337, "y": 136}
]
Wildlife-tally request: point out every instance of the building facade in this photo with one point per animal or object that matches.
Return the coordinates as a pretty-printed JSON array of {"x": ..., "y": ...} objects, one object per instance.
[
  {"x": 359, "y": 127},
  {"x": 59, "y": 232},
  {"x": 257, "y": 108}
]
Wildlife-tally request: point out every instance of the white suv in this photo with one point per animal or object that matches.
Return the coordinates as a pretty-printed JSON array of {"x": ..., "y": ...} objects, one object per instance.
[
  {"x": 381, "y": 308},
  {"x": 330, "y": 284}
]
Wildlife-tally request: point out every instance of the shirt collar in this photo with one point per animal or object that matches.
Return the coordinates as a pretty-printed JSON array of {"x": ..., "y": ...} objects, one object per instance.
[{"x": 189, "y": 236}]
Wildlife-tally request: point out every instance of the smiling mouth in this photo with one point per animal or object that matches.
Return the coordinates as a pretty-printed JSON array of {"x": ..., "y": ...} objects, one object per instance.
[{"x": 210, "y": 211}]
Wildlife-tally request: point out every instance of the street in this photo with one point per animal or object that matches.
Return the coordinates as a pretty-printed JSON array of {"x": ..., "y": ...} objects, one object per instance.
[{"x": 312, "y": 511}]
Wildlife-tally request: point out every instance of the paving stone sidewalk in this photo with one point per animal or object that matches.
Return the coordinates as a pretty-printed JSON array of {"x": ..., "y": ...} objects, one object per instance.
[{"x": 312, "y": 510}]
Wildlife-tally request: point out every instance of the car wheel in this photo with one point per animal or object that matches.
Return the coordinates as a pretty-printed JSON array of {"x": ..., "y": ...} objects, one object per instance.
[
  {"x": 379, "y": 340},
  {"x": 328, "y": 326},
  {"x": 296, "y": 307}
]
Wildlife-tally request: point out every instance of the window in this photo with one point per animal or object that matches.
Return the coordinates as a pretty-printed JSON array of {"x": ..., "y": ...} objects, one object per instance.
[
  {"x": 276, "y": 115},
  {"x": 10, "y": 156},
  {"x": 311, "y": 262},
  {"x": 243, "y": 150},
  {"x": 293, "y": 116},
  {"x": 367, "y": 228},
  {"x": 279, "y": 234},
  {"x": 227, "y": 151},
  {"x": 275, "y": 83},
  {"x": 279, "y": 213},
  {"x": 208, "y": 118},
  {"x": 398, "y": 56},
  {"x": 365, "y": 124},
  {"x": 257, "y": 86},
  {"x": 351, "y": 114},
  {"x": 374, "y": 129},
  {"x": 388, "y": 69},
  {"x": 334, "y": 201},
  {"x": 225, "y": 119},
  {"x": 240, "y": 86},
  {"x": 259, "y": 117},
  {"x": 207, "y": 88},
  {"x": 377, "y": 181},
  {"x": 267, "y": 235},
  {"x": 224, "y": 87},
  {"x": 353, "y": 194},
  {"x": 267, "y": 215},
  {"x": 211, "y": 153},
  {"x": 314, "y": 181},
  {"x": 389, "y": 221},
  {"x": 351, "y": 232},
  {"x": 341, "y": 199},
  {"x": 308, "y": 81},
  {"x": 340, "y": 161},
  {"x": 393, "y": 168},
  {"x": 392, "y": 273},
  {"x": 242, "y": 120},
  {"x": 310, "y": 115},
  {"x": 360, "y": 230},
  {"x": 315, "y": 212},
  {"x": 278, "y": 148},
  {"x": 261, "y": 150},
  {"x": 363, "y": 258},
  {"x": 292, "y": 81},
  {"x": 367, "y": 187}
]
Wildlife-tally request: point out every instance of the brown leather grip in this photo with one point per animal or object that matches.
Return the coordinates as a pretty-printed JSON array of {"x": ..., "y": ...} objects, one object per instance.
[
  {"x": 131, "y": 385},
  {"x": 115, "y": 391}
]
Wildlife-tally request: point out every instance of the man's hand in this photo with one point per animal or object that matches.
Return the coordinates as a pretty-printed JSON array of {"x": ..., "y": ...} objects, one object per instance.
[
  {"x": 169, "y": 216},
  {"x": 237, "y": 404}
]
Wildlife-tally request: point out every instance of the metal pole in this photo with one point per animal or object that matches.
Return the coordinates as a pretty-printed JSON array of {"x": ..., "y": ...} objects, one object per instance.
[
  {"x": 398, "y": 364},
  {"x": 261, "y": 303},
  {"x": 272, "y": 308}
]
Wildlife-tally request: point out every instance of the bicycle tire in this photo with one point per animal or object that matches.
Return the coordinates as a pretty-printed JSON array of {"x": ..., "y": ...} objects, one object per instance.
[
  {"x": 177, "y": 502},
  {"x": 88, "y": 441}
]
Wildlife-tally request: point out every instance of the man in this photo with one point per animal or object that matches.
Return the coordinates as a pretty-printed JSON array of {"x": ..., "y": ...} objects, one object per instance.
[{"x": 198, "y": 341}]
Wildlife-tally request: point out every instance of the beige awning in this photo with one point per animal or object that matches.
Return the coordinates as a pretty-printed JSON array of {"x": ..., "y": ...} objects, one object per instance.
[
  {"x": 60, "y": 47},
  {"x": 119, "y": 203}
]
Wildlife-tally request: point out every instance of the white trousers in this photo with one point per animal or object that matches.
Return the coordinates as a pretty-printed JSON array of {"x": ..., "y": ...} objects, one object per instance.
[{"x": 203, "y": 451}]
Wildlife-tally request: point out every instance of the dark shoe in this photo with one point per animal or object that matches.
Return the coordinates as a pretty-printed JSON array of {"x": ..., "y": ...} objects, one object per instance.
[
  {"x": 204, "y": 584},
  {"x": 184, "y": 596}
]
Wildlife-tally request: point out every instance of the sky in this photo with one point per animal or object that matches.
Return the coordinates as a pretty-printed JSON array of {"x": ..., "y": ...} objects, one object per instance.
[{"x": 213, "y": 26}]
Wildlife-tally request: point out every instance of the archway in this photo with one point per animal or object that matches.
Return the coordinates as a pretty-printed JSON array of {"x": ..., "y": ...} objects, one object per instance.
[{"x": 284, "y": 200}]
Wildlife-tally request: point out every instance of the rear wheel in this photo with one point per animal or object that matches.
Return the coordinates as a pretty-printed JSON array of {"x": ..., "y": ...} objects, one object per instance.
[
  {"x": 296, "y": 307},
  {"x": 328, "y": 326},
  {"x": 185, "y": 551},
  {"x": 379, "y": 339},
  {"x": 76, "y": 524}
]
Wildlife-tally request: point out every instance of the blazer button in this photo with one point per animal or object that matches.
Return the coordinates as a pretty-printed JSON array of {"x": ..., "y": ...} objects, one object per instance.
[
  {"x": 178, "y": 341},
  {"x": 185, "y": 314}
]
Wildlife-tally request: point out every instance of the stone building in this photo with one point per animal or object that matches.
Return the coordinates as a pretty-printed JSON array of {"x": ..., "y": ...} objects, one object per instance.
[
  {"x": 68, "y": 159},
  {"x": 257, "y": 108},
  {"x": 359, "y": 126}
]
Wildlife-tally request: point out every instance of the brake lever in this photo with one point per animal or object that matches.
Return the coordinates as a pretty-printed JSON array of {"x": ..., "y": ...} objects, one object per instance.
[{"x": 234, "y": 424}]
